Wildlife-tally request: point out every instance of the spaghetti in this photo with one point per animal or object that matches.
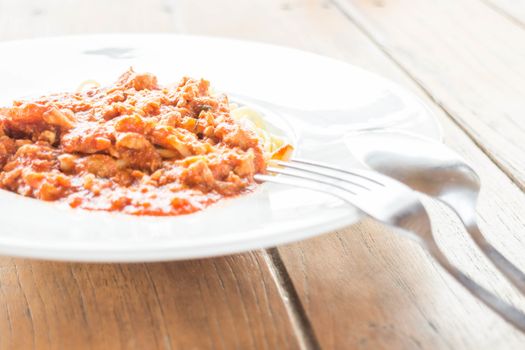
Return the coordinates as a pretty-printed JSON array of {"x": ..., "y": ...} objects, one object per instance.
[{"x": 134, "y": 147}]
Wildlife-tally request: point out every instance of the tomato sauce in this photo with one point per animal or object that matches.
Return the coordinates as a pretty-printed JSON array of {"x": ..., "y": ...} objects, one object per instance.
[{"x": 133, "y": 147}]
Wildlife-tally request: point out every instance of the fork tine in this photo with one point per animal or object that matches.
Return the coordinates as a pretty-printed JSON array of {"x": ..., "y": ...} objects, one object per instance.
[
  {"x": 342, "y": 184},
  {"x": 302, "y": 183},
  {"x": 318, "y": 171},
  {"x": 299, "y": 162},
  {"x": 412, "y": 217}
]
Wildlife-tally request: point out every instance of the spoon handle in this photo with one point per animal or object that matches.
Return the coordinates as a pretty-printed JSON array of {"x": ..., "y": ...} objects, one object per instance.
[
  {"x": 504, "y": 309},
  {"x": 507, "y": 268}
]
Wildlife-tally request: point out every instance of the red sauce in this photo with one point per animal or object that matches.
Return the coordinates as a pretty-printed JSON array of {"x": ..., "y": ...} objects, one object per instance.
[{"x": 133, "y": 147}]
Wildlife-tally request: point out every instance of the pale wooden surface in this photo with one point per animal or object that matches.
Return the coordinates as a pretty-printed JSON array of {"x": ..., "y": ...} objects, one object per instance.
[
  {"x": 512, "y": 9},
  {"x": 466, "y": 56},
  {"x": 361, "y": 287},
  {"x": 222, "y": 303}
]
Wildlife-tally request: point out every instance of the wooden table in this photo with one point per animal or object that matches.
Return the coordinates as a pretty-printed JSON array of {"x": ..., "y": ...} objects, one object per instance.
[{"x": 358, "y": 288}]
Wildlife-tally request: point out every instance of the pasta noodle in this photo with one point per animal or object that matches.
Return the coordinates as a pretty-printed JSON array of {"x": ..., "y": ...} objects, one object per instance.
[
  {"x": 274, "y": 147},
  {"x": 135, "y": 147}
]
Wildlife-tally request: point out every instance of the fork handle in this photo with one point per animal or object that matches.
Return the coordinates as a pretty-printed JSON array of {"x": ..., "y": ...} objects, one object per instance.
[
  {"x": 513, "y": 274},
  {"x": 504, "y": 309}
]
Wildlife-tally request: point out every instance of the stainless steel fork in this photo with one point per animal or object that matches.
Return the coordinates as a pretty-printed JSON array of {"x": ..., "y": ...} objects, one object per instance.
[
  {"x": 389, "y": 202},
  {"x": 431, "y": 167}
]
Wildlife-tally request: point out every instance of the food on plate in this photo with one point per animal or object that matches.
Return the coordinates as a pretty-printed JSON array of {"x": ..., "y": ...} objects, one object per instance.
[{"x": 134, "y": 147}]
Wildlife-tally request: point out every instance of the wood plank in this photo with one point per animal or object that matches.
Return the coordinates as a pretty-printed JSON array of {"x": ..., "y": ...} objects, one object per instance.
[
  {"x": 467, "y": 57},
  {"x": 36, "y": 18},
  {"x": 513, "y": 9},
  {"x": 223, "y": 303},
  {"x": 364, "y": 287}
]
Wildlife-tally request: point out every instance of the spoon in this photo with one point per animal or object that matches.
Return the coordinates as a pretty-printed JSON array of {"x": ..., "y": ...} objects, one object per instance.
[{"x": 432, "y": 168}]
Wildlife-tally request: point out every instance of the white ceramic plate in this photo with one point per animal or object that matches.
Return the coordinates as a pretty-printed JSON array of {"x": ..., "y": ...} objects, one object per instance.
[{"x": 314, "y": 100}]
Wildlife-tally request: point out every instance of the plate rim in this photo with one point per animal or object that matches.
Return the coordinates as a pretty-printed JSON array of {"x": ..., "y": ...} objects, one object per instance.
[
  {"x": 91, "y": 254},
  {"x": 437, "y": 125}
]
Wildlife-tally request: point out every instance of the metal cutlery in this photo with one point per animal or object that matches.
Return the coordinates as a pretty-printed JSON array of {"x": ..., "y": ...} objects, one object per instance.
[
  {"x": 432, "y": 168},
  {"x": 390, "y": 202}
]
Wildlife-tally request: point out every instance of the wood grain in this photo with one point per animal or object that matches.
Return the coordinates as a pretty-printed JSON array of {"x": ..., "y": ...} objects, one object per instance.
[
  {"x": 223, "y": 303},
  {"x": 36, "y": 18},
  {"x": 512, "y": 9},
  {"x": 467, "y": 57},
  {"x": 363, "y": 287}
]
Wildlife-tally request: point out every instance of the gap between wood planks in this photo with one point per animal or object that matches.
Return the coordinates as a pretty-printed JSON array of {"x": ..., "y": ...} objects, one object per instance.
[
  {"x": 292, "y": 302},
  {"x": 300, "y": 322},
  {"x": 504, "y": 13},
  {"x": 353, "y": 16}
]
